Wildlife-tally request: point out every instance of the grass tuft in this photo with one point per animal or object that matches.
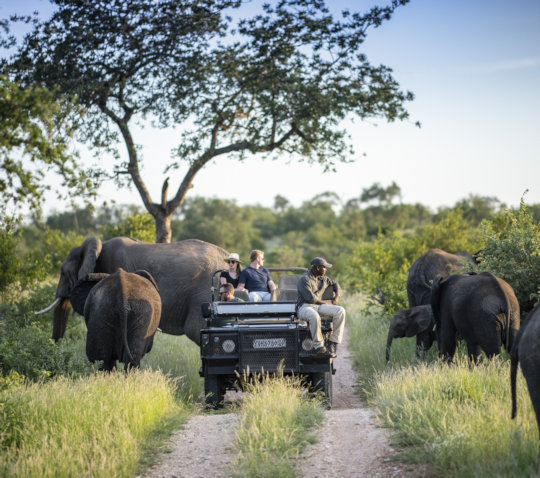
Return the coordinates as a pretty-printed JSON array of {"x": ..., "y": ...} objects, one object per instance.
[{"x": 278, "y": 420}]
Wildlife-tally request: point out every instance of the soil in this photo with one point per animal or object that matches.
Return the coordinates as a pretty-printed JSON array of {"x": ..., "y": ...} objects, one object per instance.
[{"x": 350, "y": 442}]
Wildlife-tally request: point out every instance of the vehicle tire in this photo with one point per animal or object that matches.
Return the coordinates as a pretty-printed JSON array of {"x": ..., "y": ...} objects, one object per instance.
[
  {"x": 214, "y": 391},
  {"x": 322, "y": 382}
]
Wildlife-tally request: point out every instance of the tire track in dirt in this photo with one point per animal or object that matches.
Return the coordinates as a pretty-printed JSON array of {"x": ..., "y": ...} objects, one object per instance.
[{"x": 350, "y": 443}]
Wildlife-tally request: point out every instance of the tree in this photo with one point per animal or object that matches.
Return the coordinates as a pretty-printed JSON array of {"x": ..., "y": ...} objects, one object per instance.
[
  {"x": 34, "y": 139},
  {"x": 280, "y": 82}
]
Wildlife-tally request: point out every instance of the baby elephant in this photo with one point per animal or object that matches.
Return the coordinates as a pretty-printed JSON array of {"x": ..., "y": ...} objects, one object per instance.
[
  {"x": 417, "y": 321},
  {"x": 122, "y": 313}
]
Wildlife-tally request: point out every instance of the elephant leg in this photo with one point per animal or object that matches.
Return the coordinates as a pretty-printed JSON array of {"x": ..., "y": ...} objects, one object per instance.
[
  {"x": 108, "y": 365},
  {"x": 448, "y": 340},
  {"x": 474, "y": 352}
]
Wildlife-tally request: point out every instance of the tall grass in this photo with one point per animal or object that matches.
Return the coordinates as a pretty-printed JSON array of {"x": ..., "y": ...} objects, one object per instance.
[
  {"x": 456, "y": 418},
  {"x": 278, "y": 420},
  {"x": 178, "y": 357},
  {"x": 94, "y": 426}
]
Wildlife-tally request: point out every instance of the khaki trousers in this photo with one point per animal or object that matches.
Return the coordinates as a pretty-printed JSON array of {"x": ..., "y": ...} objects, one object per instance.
[{"x": 312, "y": 313}]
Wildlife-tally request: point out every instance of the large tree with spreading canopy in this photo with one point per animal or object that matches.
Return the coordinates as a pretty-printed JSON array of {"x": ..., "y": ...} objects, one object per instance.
[{"x": 281, "y": 81}]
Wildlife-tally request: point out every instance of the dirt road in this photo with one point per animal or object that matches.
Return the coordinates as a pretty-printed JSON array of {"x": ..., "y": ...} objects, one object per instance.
[{"x": 350, "y": 445}]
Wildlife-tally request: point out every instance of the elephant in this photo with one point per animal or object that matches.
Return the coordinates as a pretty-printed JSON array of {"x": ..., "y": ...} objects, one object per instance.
[
  {"x": 182, "y": 270},
  {"x": 527, "y": 353},
  {"x": 122, "y": 312},
  {"x": 434, "y": 263},
  {"x": 417, "y": 321},
  {"x": 481, "y": 308}
]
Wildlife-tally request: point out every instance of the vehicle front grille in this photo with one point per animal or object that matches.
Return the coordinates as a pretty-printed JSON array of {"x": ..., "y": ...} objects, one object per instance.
[{"x": 268, "y": 350}]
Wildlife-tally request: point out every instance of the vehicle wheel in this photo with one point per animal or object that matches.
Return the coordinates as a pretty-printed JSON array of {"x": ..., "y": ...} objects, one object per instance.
[
  {"x": 214, "y": 391},
  {"x": 322, "y": 382}
]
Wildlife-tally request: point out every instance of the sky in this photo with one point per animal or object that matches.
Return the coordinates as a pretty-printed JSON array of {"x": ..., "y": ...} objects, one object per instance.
[{"x": 474, "y": 67}]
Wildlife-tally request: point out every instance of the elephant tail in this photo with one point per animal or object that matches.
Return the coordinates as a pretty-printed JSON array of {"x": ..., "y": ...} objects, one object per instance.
[{"x": 127, "y": 356}]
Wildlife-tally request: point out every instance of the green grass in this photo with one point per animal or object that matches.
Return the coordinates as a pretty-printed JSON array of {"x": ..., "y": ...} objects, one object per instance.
[
  {"x": 278, "y": 419},
  {"x": 178, "y": 357},
  {"x": 454, "y": 418},
  {"x": 99, "y": 425}
]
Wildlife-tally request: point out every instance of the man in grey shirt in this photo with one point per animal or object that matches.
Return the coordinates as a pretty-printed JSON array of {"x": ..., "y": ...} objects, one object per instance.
[{"x": 310, "y": 306}]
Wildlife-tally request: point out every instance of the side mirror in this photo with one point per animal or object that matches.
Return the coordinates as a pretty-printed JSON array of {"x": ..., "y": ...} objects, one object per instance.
[{"x": 206, "y": 309}]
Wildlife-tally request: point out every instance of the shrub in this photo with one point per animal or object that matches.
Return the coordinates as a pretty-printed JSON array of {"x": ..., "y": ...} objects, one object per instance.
[
  {"x": 512, "y": 252},
  {"x": 136, "y": 226}
]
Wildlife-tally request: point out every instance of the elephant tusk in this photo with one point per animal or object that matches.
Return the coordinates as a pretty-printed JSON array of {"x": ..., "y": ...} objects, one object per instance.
[{"x": 46, "y": 309}]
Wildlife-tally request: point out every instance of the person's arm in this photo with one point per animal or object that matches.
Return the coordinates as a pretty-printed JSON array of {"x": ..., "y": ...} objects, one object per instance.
[
  {"x": 337, "y": 292},
  {"x": 223, "y": 280},
  {"x": 271, "y": 286},
  {"x": 242, "y": 281}
]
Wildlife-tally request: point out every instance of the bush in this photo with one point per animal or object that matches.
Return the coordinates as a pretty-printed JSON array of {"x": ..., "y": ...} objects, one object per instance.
[
  {"x": 136, "y": 226},
  {"x": 385, "y": 262},
  {"x": 25, "y": 343},
  {"x": 512, "y": 252}
]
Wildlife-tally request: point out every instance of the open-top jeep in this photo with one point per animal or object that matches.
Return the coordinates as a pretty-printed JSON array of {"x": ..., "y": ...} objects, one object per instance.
[{"x": 243, "y": 340}]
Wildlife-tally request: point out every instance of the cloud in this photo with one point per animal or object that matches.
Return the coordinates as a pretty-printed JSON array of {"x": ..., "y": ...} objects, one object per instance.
[{"x": 508, "y": 65}]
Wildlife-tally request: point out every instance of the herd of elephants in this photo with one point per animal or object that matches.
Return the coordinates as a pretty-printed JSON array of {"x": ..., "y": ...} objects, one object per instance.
[{"x": 126, "y": 289}]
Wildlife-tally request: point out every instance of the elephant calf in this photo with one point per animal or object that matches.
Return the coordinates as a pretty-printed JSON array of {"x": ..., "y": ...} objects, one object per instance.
[
  {"x": 122, "y": 313},
  {"x": 417, "y": 321},
  {"x": 526, "y": 351}
]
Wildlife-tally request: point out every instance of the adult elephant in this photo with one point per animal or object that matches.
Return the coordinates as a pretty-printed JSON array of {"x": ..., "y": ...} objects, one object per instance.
[
  {"x": 481, "y": 308},
  {"x": 433, "y": 264},
  {"x": 427, "y": 268},
  {"x": 527, "y": 353},
  {"x": 417, "y": 321},
  {"x": 182, "y": 271},
  {"x": 122, "y": 312}
]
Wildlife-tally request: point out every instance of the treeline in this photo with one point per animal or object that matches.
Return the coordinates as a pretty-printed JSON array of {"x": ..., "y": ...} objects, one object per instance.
[{"x": 372, "y": 240}]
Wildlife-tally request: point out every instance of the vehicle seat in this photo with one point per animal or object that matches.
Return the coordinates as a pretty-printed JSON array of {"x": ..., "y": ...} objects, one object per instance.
[
  {"x": 242, "y": 294},
  {"x": 288, "y": 281},
  {"x": 287, "y": 295}
]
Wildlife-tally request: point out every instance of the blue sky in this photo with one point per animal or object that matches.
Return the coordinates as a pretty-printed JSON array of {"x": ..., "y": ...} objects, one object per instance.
[{"x": 474, "y": 67}]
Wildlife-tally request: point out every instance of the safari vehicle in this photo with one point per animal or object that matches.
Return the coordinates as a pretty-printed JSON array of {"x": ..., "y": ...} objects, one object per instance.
[{"x": 243, "y": 340}]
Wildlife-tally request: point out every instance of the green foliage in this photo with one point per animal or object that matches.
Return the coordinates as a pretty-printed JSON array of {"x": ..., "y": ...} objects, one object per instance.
[
  {"x": 277, "y": 420},
  {"x": 220, "y": 222},
  {"x": 136, "y": 226},
  {"x": 33, "y": 128},
  {"x": 26, "y": 346},
  {"x": 94, "y": 426},
  {"x": 9, "y": 262},
  {"x": 512, "y": 252}
]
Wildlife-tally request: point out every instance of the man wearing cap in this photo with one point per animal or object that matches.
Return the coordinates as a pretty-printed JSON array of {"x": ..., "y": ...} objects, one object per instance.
[
  {"x": 256, "y": 279},
  {"x": 310, "y": 306}
]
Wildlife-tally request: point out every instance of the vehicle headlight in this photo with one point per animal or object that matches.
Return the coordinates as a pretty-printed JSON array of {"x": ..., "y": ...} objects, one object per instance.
[
  {"x": 228, "y": 346},
  {"x": 307, "y": 344}
]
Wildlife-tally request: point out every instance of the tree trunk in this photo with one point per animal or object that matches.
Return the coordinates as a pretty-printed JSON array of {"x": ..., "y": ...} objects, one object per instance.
[{"x": 163, "y": 227}]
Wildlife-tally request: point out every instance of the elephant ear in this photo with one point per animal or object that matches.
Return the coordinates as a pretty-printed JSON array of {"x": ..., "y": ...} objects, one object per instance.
[
  {"x": 421, "y": 320},
  {"x": 147, "y": 275},
  {"x": 90, "y": 251},
  {"x": 82, "y": 288}
]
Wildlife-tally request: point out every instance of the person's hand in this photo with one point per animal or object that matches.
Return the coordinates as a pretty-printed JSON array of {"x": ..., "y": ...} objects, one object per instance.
[{"x": 335, "y": 300}]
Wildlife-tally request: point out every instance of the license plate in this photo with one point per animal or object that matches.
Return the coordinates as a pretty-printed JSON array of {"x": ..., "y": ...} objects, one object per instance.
[{"x": 273, "y": 343}]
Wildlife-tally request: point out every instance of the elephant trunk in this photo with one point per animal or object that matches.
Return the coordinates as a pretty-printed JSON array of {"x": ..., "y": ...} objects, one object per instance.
[
  {"x": 61, "y": 313},
  {"x": 389, "y": 344}
]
